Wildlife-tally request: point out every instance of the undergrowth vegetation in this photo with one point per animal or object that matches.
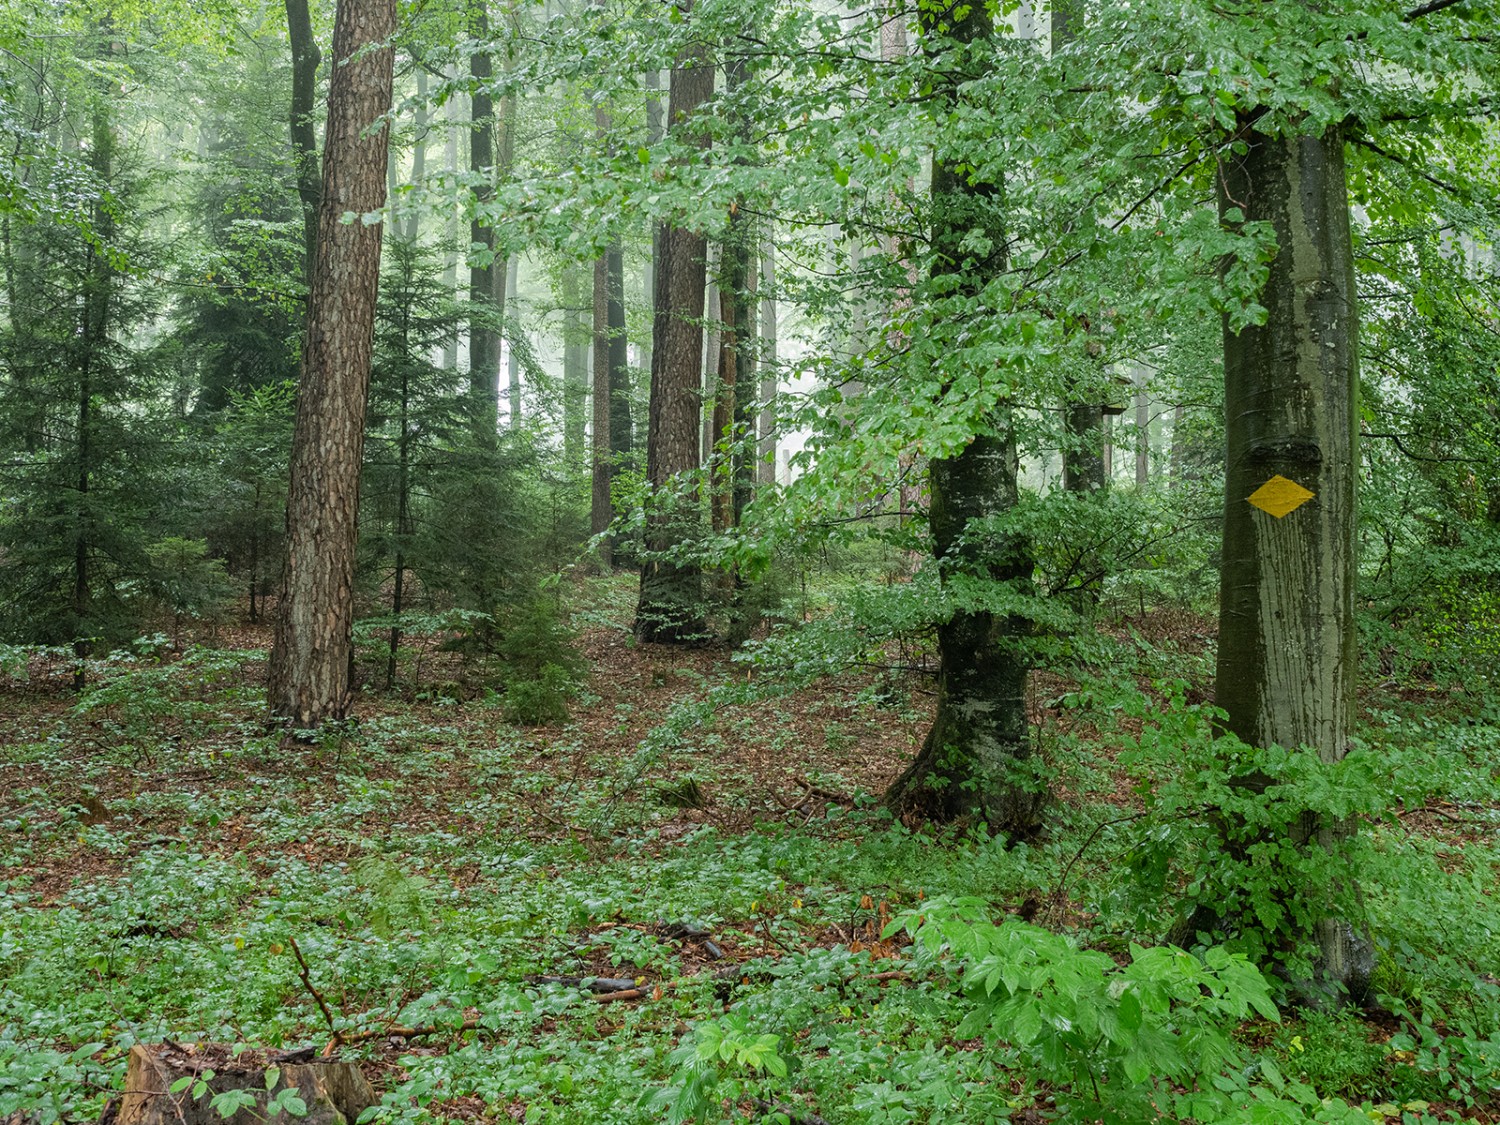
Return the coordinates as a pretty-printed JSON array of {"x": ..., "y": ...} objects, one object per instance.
[{"x": 798, "y": 955}]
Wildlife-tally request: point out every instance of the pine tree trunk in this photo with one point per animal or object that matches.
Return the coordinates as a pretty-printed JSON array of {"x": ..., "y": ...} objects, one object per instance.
[
  {"x": 310, "y": 682},
  {"x": 976, "y": 760},
  {"x": 671, "y": 602},
  {"x": 1287, "y": 660},
  {"x": 305, "y": 60}
]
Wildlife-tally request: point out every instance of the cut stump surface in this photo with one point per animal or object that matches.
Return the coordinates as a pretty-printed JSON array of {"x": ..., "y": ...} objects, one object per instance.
[{"x": 335, "y": 1092}]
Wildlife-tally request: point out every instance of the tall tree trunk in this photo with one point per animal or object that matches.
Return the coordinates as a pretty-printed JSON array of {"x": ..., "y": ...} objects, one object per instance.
[
  {"x": 305, "y": 60},
  {"x": 484, "y": 336},
  {"x": 1287, "y": 661},
  {"x": 621, "y": 436},
  {"x": 1142, "y": 434},
  {"x": 513, "y": 355},
  {"x": 671, "y": 602},
  {"x": 310, "y": 681},
  {"x": 411, "y": 228},
  {"x": 1084, "y": 469},
  {"x": 714, "y": 314},
  {"x": 654, "y": 132},
  {"x": 576, "y": 337},
  {"x": 976, "y": 760},
  {"x": 98, "y": 294},
  {"x": 452, "y": 225},
  {"x": 765, "y": 470},
  {"x": 600, "y": 510}
]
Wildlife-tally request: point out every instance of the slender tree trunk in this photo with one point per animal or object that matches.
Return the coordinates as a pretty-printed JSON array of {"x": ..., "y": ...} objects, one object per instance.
[
  {"x": 576, "y": 337},
  {"x": 654, "y": 132},
  {"x": 1142, "y": 434},
  {"x": 310, "y": 680},
  {"x": 403, "y": 509},
  {"x": 765, "y": 472},
  {"x": 98, "y": 295},
  {"x": 411, "y": 228},
  {"x": 305, "y": 60},
  {"x": 621, "y": 436},
  {"x": 600, "y": 510},
  {"x": 671, "y": 602},
  {"x": 1287, "y": 660},
  {"x": 451, "y": 228},
  {"x": 513, "y": 355},
  {"x": 1083, "y": 453},
  {"x": 976, "y": 760},
  {"x": 714, "y": 313},
  {"x": 484, "y": 336}
]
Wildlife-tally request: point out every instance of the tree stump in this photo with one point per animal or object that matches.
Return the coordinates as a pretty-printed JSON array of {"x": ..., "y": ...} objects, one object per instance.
[{"x": 336, "y": 1093}]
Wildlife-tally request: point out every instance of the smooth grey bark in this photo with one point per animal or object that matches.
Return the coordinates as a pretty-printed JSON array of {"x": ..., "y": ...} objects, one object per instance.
[
  {"x": 1287, "y": 660},
  {"x": 765, "y": 466},
  {"x": 621, "y": 435},
  {"x": 977, "y": 758},
  {"x": 671, "y": 601},
  {"x": 599, "y": 507},
  {"x": 312, "y": 654}
]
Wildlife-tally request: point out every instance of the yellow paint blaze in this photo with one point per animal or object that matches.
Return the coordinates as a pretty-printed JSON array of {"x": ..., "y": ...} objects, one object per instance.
[{"x": 1278, "y": 496}]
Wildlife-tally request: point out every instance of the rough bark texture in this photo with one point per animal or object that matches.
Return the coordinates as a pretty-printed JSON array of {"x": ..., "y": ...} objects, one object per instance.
[
  {"x": 1287, "y": 660},
  {"x": 311, "y": 656},
  {"x": 976, "y": 760},
  {"x": 671, "y": 603},
  {"x": 305, "y": 60},
  {"x": 336, "y": 1093}
]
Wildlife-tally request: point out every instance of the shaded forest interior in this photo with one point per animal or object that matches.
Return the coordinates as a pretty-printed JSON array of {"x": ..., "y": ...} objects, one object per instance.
[{"x": 771, "y": 561}]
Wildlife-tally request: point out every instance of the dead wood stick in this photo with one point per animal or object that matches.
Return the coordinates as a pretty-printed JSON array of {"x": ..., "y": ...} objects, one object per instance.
[
  {"x": 306, "y": 974},
  {"x": 398, "y": 1032},
  {"x": 596, "y": 984},
  {"x": 826, "y": 794},
  {"x": 626, "y": 994}
]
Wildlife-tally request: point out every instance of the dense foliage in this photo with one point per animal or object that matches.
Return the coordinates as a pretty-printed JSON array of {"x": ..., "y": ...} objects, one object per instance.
[{"x": 933, "y": 229}]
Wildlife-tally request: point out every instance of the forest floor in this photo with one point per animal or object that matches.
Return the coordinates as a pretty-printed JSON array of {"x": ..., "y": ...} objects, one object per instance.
[{"x": 160, "y": 854}]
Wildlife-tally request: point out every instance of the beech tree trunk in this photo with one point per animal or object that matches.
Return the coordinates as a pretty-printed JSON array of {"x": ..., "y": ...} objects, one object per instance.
[
  {"x": 671, "y": 602},
  {"x": 765, "y": 465},
  {"x": 310, "y": 681},
  {"x": 600, "y": 510},
  {"x": 976, "y": 760},
  {"x": 1287, "y": 661}
]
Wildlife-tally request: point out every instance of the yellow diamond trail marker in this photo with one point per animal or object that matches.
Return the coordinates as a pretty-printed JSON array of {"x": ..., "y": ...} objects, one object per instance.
[{"x": 1278, "y": 496}]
